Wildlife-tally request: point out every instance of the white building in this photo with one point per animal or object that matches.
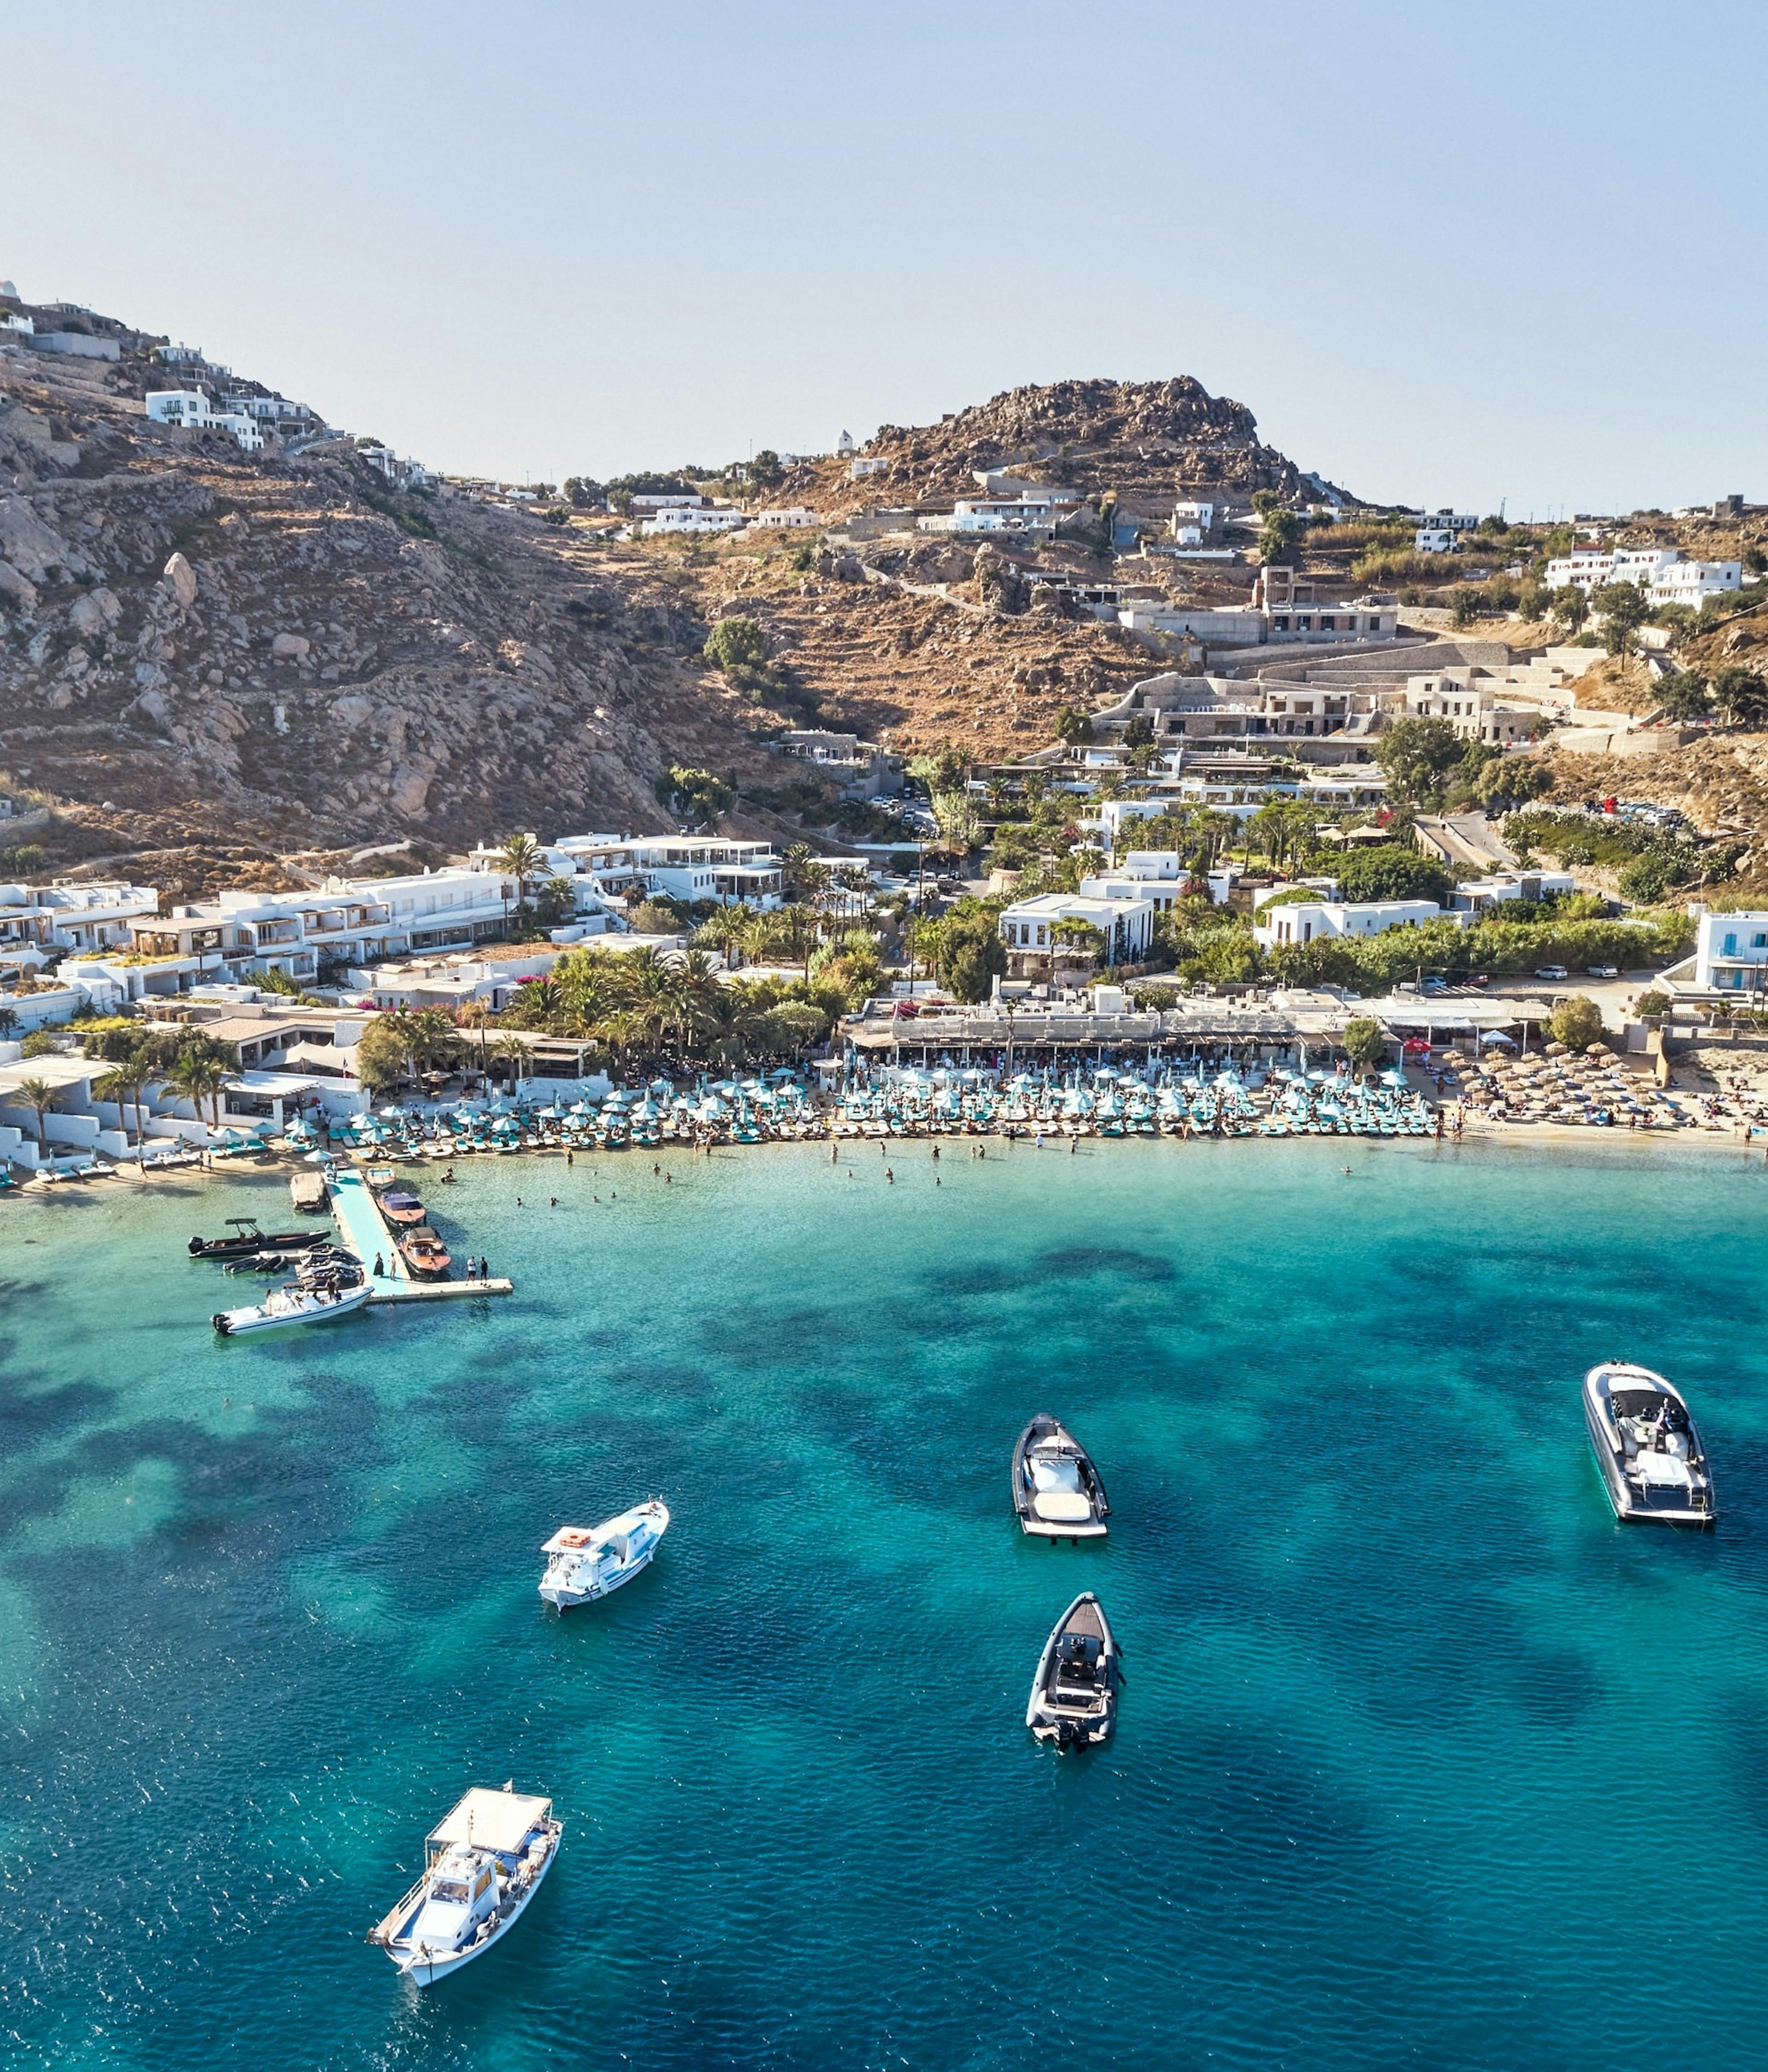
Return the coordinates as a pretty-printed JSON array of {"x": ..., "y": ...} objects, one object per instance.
[
  {"x": 1731, "y": 953},
  {"x": 37, "y": 922},
  {"x": 1443, "y": 527},
  {"x": 690, "y": 868},
  {"x": 1692, "y": 583},
  {"x": 859, "y": 467},
  {"x": 350, "y": 922},
  {"x": 1318, "y": 920},
  {"x": 653, "y": 500},
  {"x": 1032, "y": 511},
  {"x": 1159, "y": 875},
  {"x": 1660, "y": 571},
  {"x": 688, "y": 518},
  {"x": 1028, "y": 927},
  {"x": 795, "y": 519},
  {"x": 191, "y": 409}
]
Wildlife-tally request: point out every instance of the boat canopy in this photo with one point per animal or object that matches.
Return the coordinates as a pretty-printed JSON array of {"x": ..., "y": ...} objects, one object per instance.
[{"x": 499, "y": 1821}]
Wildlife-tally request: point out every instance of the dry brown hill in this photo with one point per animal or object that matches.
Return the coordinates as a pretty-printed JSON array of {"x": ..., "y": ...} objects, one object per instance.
[
  {"x": 329, "y": 662},
  {"x": 1148, "y": 441}
]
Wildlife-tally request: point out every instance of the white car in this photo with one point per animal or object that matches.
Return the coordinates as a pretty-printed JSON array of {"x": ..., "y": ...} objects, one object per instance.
[{"x": 1551, "y": 971}]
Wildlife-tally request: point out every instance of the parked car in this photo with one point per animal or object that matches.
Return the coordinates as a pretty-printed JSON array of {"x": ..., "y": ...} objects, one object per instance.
[
  {"x": 1553, "y": 971},
  {"x": 1605, "y": 970},
  {"x": 1433, "y": 985}
]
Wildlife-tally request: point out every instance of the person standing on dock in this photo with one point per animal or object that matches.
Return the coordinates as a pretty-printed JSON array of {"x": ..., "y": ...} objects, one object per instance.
[{"x": 380, "y": 1268}]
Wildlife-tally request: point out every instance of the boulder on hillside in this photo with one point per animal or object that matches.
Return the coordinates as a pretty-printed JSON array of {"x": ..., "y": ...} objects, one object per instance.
[{"x": 180, "y": 579}]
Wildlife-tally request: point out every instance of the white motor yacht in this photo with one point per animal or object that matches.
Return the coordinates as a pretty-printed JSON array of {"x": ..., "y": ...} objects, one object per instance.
[
  {"x": 292, "y": 1305},
  {"x": 1056, "y": 1490},
  {"x": 482, "y": 1866},
  {"x": 585, "y": 1562},
  {"x": 1654, "y": 1466}
]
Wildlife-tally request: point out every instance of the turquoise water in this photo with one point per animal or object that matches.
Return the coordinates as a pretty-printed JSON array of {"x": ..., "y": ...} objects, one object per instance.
[{"x": 1422, "y": 1760}]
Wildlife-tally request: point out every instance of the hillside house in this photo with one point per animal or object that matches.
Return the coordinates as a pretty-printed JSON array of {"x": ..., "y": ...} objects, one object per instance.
[
  {"x": 793, "y": 518},
  {"x": 688, "y": 518},
  {"x": 1316, "y": 920},
  {"x": 1660, "y": 571},
  {"x": 191, "y": 409}
]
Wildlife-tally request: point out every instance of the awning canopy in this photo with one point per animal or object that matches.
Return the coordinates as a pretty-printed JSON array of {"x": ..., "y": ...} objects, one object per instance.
[{"x": 499, "y": 1820}]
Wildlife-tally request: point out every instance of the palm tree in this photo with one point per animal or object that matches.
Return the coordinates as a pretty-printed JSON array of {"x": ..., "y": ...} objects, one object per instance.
[
  {"x": 435, "y": 1041},
  {"x": 794, "y": 932},
  {"x": 522, "y": 858},
  {"x": 478, "y": 1014},
  {"x": 197, "y": 1079},
  {"x": 9, "y": 1021},
  {"x": 513, "y": 1053},
  {"x": 39, "y": 1095},
  {"x": 123, "y": 1083},
  {"x": 798, "y": 855},
  {"x": 725, "y": 928}
]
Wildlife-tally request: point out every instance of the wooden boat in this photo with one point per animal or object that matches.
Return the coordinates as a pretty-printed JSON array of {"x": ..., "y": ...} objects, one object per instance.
[
  {"x": 482, "y": 1866},
  {"x": 1074, "y": 1696},
  {"x": 401, "y": 1207},
  {"x": 425, "y": 1253},
  {"x": 247, "y": 1237},
  {"x": 1654, "y": 1464},
  {"x": 1057, "y": 1493}
]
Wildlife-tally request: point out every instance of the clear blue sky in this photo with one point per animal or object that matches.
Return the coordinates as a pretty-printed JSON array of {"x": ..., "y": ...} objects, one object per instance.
[{"x": 1452, "y": 255}]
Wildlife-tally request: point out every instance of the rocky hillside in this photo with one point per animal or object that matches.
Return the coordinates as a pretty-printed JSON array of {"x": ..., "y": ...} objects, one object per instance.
[
  {"x": 223, "y": 666},
  {"x": 199, "y": 646},
  {"x": 1148, "y": 441}
]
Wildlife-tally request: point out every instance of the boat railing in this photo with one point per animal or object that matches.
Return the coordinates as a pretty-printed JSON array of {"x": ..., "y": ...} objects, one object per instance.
[{"x": 382, "y": 1933}]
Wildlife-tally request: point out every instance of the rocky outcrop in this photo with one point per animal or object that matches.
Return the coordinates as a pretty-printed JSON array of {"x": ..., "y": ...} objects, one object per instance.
[{"x": 1150, "y": 437}]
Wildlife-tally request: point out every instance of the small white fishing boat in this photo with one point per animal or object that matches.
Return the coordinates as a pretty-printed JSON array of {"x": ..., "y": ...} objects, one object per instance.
[
  {"x": 1654, "y": 1466},
  {"x": 482, "y": 1866},
  {"x": 292, "y": 1305},
  {"x": 585, "y": 1562}
]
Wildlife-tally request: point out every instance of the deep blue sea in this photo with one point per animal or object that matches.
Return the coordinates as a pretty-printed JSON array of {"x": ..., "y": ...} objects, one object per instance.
[{"x": 1422, "y": 1760}]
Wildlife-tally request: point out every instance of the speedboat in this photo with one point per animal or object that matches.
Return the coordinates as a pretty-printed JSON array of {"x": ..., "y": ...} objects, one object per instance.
[
  {"x": 482, "y": 1866},
  {"x": 295, "y": 1303},
  {"x": 248, "y": 1239},
  {"x": 1654, "y": 1466},
  {"x": 425, "y": 1253},
  {"x": 585, "y": 1562},
  {"x": 1056, "y": 1489},
  {"x": 1074, "y": 1695},
  {"x": 401, "y": 1207}
]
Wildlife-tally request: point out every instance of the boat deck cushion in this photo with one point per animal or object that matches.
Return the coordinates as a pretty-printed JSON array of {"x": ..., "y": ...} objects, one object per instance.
[
  {"x": 1665, "y": 1470},
  {"x": 1062, "y": 1506}
]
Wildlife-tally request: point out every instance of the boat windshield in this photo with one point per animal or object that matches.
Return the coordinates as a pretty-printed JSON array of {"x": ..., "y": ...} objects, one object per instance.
[{"x": 449, "y": 1888}]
